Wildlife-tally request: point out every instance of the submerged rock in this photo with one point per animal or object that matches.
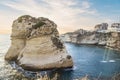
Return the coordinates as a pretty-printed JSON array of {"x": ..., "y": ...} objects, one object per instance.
[{"x": 36, "y": 45}]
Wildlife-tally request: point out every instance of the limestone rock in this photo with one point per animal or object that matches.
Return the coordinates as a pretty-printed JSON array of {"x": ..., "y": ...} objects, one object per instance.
[
  {"x": 97, "y": 37},
  {"x": 114, "y": 40},
  {"x": 36, "y": 45},
  {"x": 80, "y": 37},
  {"x": 102, "y": 35}
]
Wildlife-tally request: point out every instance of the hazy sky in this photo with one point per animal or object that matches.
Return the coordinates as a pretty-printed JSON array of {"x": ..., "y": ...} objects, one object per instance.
[{"x": 69, "y": 15}]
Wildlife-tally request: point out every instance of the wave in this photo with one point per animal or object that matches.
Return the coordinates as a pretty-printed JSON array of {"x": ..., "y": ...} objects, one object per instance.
[
  {"x": 106, "y": 61},
  {"x": 75, "y": 67},
  {"x": 112, "y": 61}
]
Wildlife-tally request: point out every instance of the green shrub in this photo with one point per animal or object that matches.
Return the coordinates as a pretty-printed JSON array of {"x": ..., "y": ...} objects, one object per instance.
[
  {"x": 37, "y": 25},
  {"x": 57, "y": 42},
  {"x": 20, "y": 20}
]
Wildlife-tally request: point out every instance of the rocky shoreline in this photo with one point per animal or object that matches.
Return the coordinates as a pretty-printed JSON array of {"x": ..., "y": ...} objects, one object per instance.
[
  {"x": 102, "y": 35},
  {"x": 9, "y": 72},
  {"x": 12, "y": 71}
]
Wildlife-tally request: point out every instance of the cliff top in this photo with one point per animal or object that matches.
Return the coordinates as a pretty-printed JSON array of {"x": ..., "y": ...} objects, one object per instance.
[{"x": 29, "y": 27}]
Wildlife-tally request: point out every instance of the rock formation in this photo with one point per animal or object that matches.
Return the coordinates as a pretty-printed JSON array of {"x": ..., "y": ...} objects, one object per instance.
[
  {"x": 100, "y": 36},
  {"x": 36, "y": 45},
  {"x": 114, "y": 40},
  {"x": 80, "y": 37}
]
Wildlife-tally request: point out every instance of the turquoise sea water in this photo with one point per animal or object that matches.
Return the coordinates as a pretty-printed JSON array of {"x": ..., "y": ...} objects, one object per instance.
[
  {"x": 94, "y": 61},
  {"x": 89, "y": 60}
]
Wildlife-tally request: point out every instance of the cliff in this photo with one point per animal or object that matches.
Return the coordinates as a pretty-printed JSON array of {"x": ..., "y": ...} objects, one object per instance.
[
  {"x": 79, "y": 36},
  {"x": 114, "y": 40},
  {"x": 35, "y": 45},
  {"x": 101, "y": 35}
]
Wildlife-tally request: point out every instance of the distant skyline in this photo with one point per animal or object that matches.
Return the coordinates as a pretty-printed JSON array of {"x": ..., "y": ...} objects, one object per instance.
[{"x": 69, "y": 15}]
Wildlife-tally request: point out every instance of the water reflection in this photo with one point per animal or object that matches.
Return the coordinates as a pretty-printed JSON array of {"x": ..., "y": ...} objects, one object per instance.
[{"x": 106, "y": 56}]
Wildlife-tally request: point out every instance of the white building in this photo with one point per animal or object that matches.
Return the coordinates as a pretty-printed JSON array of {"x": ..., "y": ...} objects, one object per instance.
[
  {"x": 115, "y": 27},
  {"x": 101, "y": 27}
]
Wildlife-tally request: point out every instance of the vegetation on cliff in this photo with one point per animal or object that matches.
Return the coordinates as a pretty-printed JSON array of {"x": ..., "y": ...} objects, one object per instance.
[{"x": 38, "y": 25}]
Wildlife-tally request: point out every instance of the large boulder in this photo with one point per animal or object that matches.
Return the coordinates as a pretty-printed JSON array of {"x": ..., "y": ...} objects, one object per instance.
[{"x": 36, "y": 45}]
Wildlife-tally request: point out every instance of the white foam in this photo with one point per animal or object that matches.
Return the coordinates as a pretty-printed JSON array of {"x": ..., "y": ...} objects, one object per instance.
[
  {"x": 104, "y": 61},
  {"x": 74, "y": 68},
  {"x": 111, "y": 60}
]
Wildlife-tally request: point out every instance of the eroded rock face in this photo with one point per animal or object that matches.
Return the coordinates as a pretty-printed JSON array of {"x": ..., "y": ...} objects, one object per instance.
[
  {"x": 114, "y": 40},
  {"x": 101, "y": 35},
  {"x": 36, "y": 45},
  {"x": 98, "y": 36},
  {"x": 80, "y": 37}
]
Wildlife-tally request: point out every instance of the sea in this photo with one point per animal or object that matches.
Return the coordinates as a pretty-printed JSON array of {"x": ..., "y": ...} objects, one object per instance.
[{"x": 89, "y": 60}]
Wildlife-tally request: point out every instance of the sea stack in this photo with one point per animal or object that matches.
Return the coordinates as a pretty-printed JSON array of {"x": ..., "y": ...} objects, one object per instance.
[{"x": 35, "y": 45}]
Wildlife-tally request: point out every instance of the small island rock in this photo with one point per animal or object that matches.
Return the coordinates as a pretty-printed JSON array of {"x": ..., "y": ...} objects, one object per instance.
[{"x": 36, "y": 45}]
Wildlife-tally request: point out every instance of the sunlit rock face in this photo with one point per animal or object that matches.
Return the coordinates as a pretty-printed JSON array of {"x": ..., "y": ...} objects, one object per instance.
[
  {"x": 114, "y": 40},
  {"x": 36, "y": 45},
  {"x": 80, "y": 37},
  {"x": 97, "y": 37},
  {"x": 100, "y": 36}
]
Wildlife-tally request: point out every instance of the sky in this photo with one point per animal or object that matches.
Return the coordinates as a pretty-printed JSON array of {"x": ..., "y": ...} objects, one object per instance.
[{"x": 69, "y": 15}]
